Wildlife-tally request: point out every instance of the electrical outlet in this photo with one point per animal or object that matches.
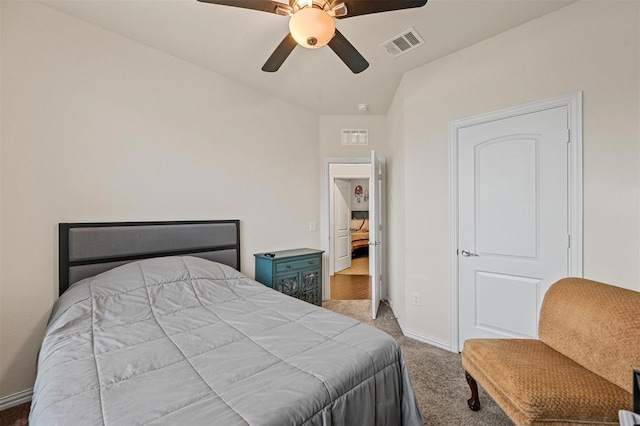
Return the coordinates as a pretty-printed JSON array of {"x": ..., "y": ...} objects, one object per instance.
[
  {"x": 313, "y": 226},
  {"x": 416, "y": 299}
]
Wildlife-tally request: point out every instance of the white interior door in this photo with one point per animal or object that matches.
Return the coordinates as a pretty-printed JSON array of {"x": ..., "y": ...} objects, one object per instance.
[
  {"x": 376, "y": 184},
  {"x": 342, "y": 222},
  {"x": 513, "y": 235}
]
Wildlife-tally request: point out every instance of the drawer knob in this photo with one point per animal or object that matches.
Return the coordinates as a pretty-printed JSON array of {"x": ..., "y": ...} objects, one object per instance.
[
  {"x": 311, "y": 262},
  {"x": 289, "y": 266}
]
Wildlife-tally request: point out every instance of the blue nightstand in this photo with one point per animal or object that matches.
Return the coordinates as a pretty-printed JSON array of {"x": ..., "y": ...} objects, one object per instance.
[{"x": 297, "y": 273}]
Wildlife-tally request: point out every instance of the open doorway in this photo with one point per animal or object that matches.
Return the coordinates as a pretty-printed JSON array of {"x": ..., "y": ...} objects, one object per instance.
[
  {"x": 373, "y": 169},
  {"x": 347, "y": 265},
  {"x": 350, "y": 235}
]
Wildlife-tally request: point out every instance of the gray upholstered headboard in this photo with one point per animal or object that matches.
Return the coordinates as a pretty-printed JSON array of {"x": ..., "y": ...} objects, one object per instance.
[{"x": 87, "y": 249}]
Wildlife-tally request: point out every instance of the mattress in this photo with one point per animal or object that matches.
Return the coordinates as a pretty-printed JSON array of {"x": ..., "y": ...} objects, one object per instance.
[{"x": 183, "y": 340}]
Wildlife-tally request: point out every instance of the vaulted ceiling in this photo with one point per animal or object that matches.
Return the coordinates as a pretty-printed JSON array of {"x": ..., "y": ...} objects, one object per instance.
[{"x": 235, "y": 43}]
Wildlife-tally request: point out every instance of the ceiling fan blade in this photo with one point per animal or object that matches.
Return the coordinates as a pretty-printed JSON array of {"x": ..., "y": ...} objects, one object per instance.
[
  {"x": 365, "y": 7},
  {"x": 279, "y": 55},
  {"x": 261, "y": 5},
  {"x": 349, "y": 55}
]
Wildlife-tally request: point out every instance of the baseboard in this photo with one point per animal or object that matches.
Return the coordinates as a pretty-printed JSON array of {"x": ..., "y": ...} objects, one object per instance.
[
  {"x": 419, "y": 337},
  {"x": 16, "y": 399},
  {"x": 424, "y": 339}
]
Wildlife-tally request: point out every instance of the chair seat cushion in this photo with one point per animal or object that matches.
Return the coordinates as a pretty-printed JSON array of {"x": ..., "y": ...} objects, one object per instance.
[{"x": 535, "y": 384}]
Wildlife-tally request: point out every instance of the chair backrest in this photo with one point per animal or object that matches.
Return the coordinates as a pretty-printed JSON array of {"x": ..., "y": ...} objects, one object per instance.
[{"x": 597, "y": 325}]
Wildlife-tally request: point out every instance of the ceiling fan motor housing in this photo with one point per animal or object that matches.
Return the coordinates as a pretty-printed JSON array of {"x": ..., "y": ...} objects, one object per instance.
[{"x": 300, "y": 4}]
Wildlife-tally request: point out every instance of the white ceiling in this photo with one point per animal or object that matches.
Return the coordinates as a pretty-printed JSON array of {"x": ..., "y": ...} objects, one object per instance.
[{"x": 236, "y": 42}]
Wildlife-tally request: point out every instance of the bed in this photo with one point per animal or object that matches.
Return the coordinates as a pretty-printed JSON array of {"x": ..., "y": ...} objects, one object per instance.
[
  {"x": 158, "y": 326},
  {"x": 359, "y": 234}
]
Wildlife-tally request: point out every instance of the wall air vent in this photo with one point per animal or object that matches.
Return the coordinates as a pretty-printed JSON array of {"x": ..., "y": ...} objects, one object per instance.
[
  {"x": 402, "y": 43},
  {"x": 355, "y": 137}
]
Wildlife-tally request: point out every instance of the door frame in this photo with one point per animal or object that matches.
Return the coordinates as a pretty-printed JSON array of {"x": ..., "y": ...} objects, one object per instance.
[
  {"x": 327, "y": 184},
  {"x": 573, "y": 102}
]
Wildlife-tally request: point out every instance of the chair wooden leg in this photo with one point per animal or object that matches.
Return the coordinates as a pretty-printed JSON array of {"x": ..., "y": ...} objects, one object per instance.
[{"x": 474, "y": 401}]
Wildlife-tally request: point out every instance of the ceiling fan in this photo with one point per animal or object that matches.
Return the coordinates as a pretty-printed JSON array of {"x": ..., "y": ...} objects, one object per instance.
[{"x": 311, "y": 25}]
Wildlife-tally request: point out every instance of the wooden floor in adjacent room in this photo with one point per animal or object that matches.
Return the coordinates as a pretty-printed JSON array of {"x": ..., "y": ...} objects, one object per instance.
[{"x": 345, "y": 286}]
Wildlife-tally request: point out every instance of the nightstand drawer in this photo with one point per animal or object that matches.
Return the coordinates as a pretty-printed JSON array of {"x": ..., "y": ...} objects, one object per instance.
[{"x": 297, "y": 264}]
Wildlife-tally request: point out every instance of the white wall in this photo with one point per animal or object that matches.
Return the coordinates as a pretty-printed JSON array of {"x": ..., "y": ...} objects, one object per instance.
[
  {"x": 96, "y": 127},
  {"x": 591, "y": 46},
  {"x": 396, "y": 182},
  {"x": 331, "y": 135}
]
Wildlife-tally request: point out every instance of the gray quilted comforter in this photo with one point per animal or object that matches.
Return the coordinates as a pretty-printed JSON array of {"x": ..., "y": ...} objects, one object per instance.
[{"x": 185, "y": 341}]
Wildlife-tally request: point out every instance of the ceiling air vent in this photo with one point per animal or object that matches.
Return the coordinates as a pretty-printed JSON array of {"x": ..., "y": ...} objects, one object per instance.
[
  {"x": 404, "y": 42},
  {"x": 355, "y": 137}
]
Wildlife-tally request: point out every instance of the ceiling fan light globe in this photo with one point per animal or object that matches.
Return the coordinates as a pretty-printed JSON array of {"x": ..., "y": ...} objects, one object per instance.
[{"x": 312, "y": 27}]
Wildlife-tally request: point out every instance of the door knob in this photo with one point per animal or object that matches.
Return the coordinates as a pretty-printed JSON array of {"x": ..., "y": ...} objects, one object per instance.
[{"x": 467, "y": 253}]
